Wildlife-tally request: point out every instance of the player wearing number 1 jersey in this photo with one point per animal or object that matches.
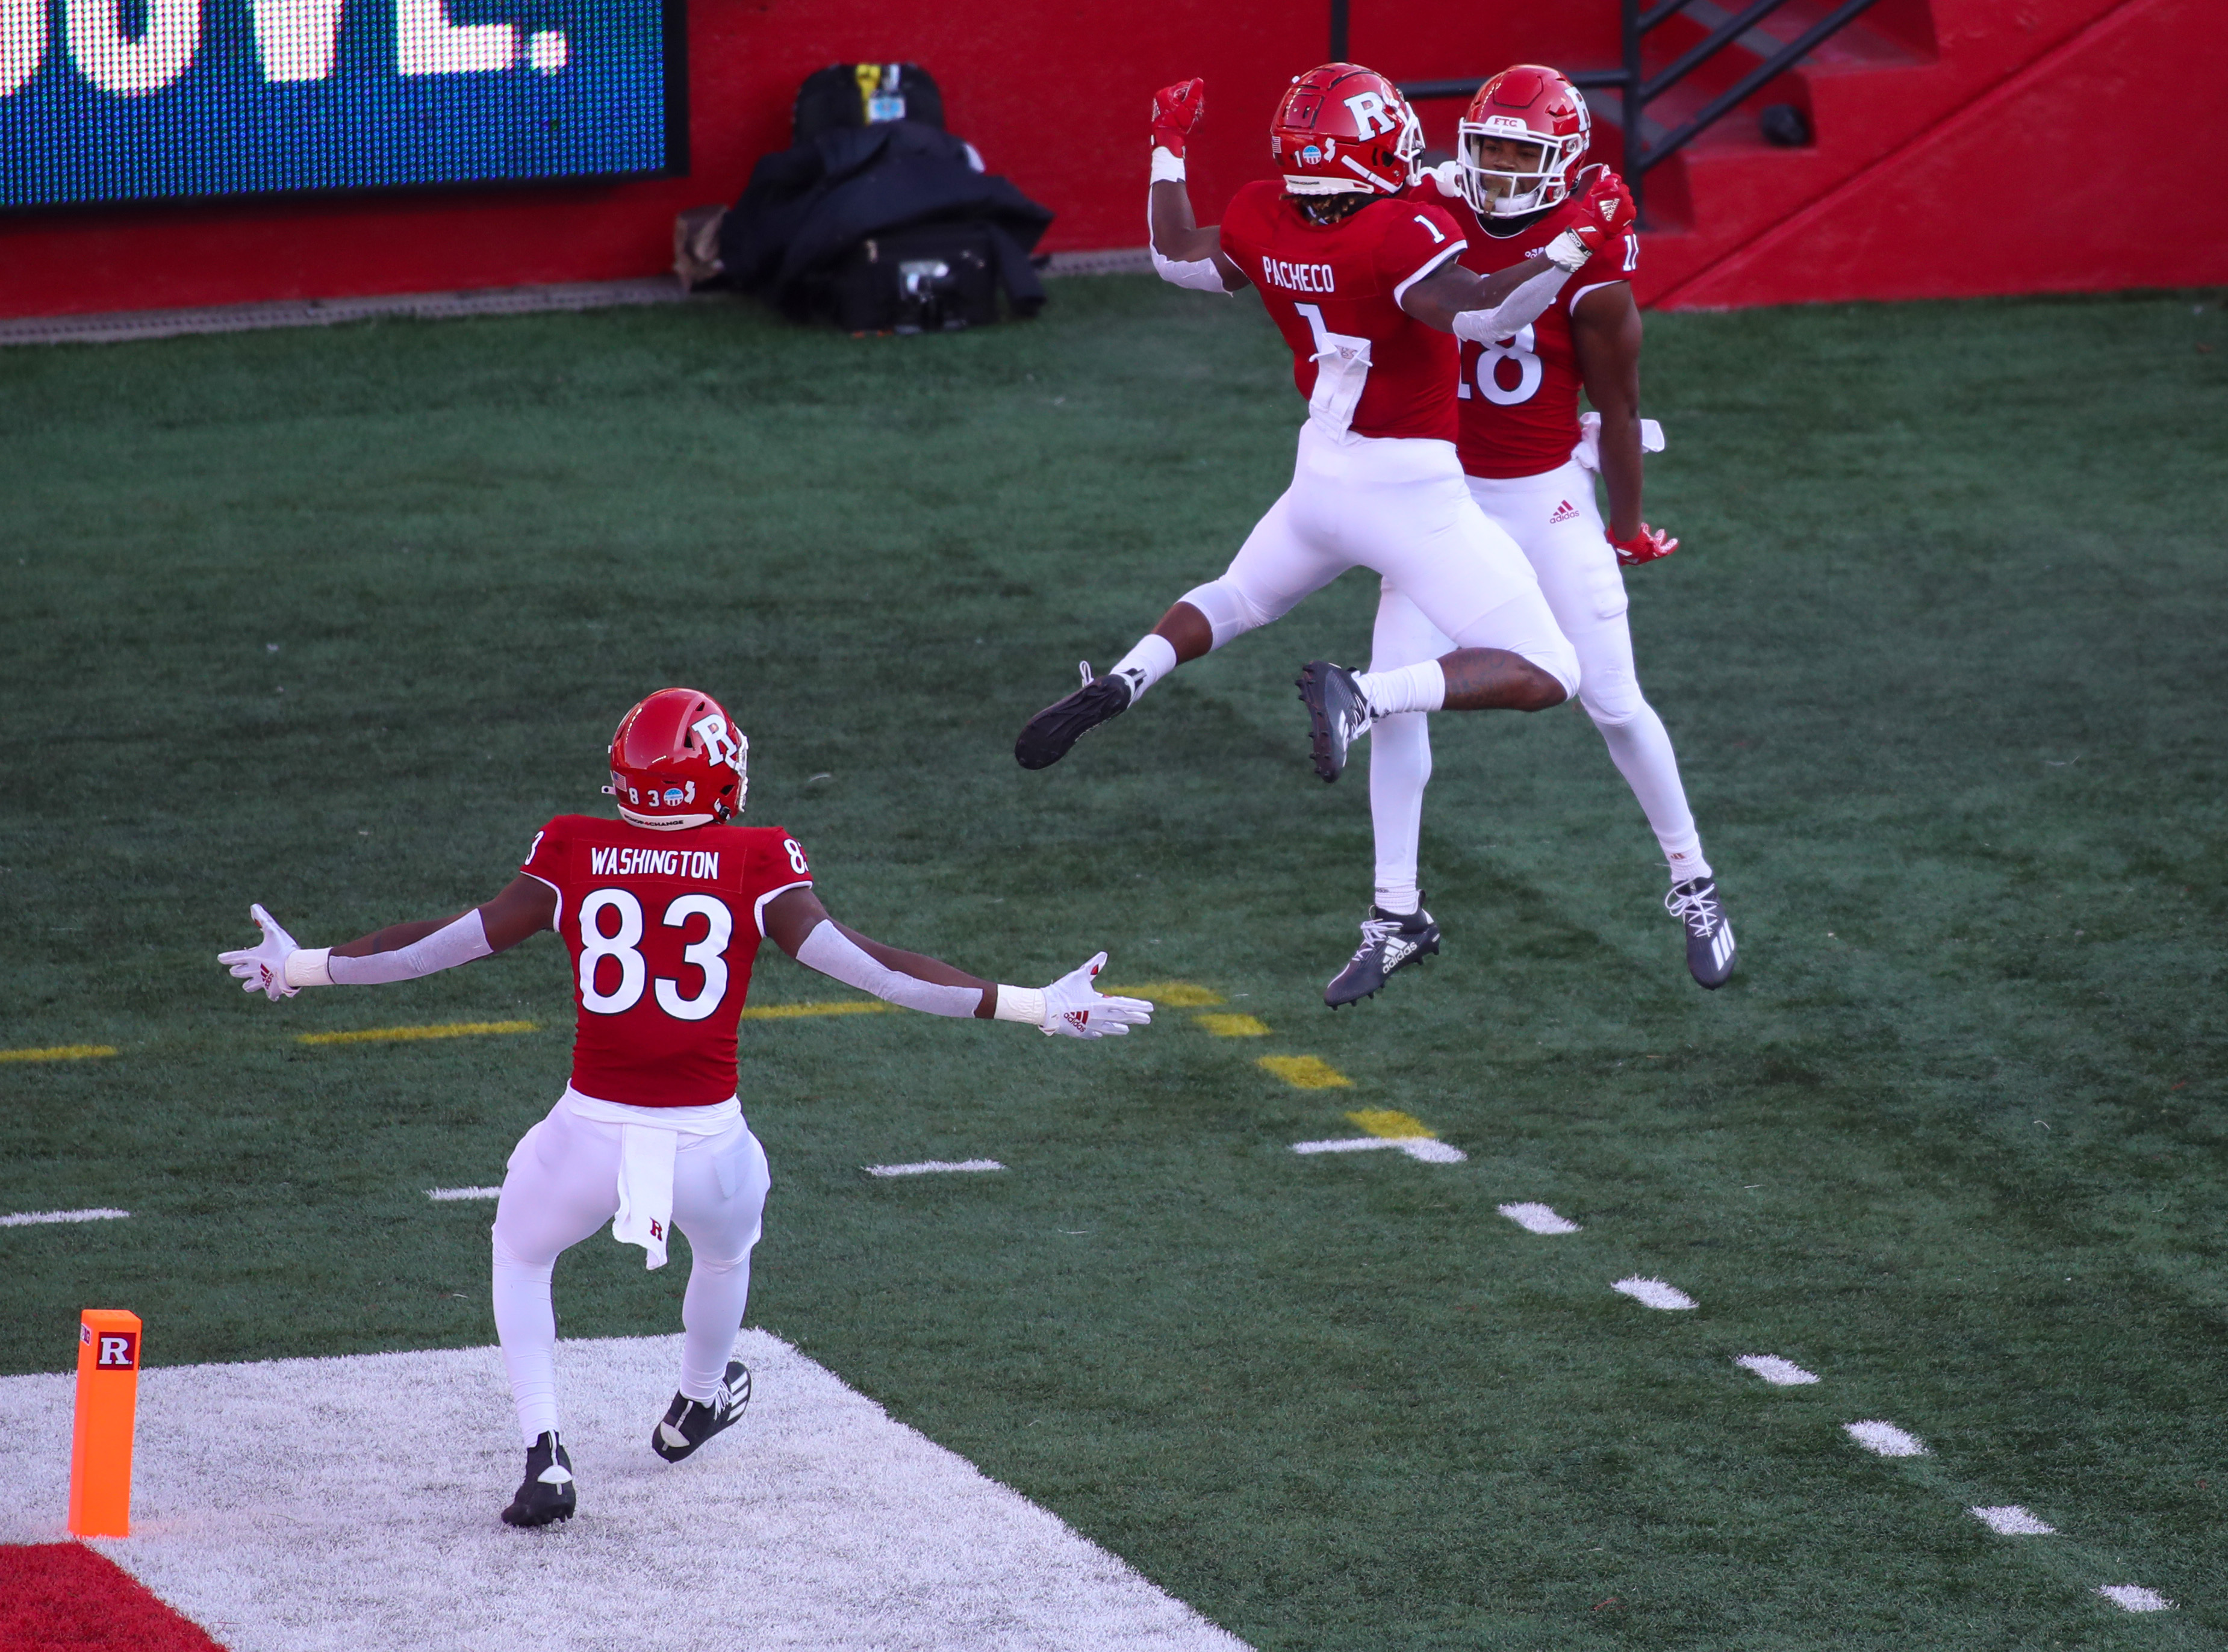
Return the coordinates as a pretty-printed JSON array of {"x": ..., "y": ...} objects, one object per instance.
[
  {"x": 662, "y": 910},
  {"x": 1363, "y": 281}
]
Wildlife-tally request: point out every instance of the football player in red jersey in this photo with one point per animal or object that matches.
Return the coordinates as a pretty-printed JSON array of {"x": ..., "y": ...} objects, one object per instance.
[
  {"x": 662, "y": 910},
  {"x": 1515, "y": 186},
  {"x": 1361, "y": 278}
]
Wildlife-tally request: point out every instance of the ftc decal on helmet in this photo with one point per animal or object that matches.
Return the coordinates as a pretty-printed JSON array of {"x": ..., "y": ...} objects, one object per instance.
[
  {"x": 677, "y": 760},
  {"x": 1521, "y": 140},
  {"x": 1345, "y": 130}
]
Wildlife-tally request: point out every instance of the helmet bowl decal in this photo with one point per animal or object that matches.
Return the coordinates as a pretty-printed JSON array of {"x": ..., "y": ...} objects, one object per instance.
[{"x": 1311, "y": 154}]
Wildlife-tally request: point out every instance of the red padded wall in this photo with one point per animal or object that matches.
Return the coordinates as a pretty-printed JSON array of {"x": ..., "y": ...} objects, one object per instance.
[{"x": 1982, "y": 169}]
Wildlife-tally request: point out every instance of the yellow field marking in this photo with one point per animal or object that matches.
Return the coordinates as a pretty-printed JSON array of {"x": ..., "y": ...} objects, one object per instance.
[
  {"x": 399, "y": 1034},
  {"x": 1394, "y": 1127},
  {"x": 1233, "y": 1025},
  {"x": 60, "y": 1052},
  {"x": 1306, "y": 1071},
  {"x": 1175, "y": 995},
  {"x": 832, "y": 1007}
]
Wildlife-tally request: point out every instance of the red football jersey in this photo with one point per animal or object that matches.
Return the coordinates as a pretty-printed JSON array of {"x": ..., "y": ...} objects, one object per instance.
[
  {"x": 1519, "y": 395},
  {"x": 1348, "y": 278},
  {"x": 662, "y": 927}
]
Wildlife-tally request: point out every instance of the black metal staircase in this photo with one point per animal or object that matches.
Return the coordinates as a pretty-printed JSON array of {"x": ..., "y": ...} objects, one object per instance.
[{"x": 1647, "y": 144}]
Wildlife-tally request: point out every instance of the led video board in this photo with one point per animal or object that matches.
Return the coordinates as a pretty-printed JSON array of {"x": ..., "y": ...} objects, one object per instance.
[{"x": 121, "y": 100}]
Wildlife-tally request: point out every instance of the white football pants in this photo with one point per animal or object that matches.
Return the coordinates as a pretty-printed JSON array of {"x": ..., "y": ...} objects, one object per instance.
[
  {"x": 1553, "y": 520},
  {"x": 1397, "y": 506},
  {"x": 563, "y": 1184}
]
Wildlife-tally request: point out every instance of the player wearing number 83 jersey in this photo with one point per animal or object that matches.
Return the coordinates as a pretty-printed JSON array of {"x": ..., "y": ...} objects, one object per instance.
[
  {"x": 662, "y": 910},
  {"x": 652, "y": 924}
]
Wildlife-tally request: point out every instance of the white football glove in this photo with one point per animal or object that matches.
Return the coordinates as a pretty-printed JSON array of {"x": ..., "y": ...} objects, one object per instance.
[
  {"x": 1074, "y": 1006},
  {"x": 262, "y": 967}
]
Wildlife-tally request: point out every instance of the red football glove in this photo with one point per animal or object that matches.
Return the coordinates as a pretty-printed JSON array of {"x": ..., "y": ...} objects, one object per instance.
[
  {"x": 1177, "y": 111},
  {"x": 1607, "y": 199},
  {"x": 1646, "y": 546}
]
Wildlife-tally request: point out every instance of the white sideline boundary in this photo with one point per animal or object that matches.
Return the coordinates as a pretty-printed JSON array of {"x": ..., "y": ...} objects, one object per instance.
[{"x": 349, "y": 1505}]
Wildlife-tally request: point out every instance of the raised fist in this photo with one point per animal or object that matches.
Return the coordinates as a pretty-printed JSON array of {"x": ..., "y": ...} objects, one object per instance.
[
  {"x": 1606, "y": 202},
  {"x": 1177, "y": 111},
  {"x": 1646, "y": 546}
]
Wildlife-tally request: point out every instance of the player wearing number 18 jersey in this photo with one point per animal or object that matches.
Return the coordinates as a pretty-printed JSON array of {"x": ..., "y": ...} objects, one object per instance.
[
  {"x": 1529, "y": 463},
  {"x": 662, "y": 911}
]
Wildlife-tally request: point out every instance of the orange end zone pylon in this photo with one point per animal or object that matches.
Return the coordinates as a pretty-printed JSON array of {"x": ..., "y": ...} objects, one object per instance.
[{"x": 100, "y": 1443}]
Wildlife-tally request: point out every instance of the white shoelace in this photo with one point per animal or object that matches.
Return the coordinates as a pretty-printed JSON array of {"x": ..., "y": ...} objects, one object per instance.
[{"x": 1698, "y": 909}]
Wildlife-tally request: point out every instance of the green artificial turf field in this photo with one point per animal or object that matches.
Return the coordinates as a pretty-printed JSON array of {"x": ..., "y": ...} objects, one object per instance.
[{"x": 336, "y": 619}]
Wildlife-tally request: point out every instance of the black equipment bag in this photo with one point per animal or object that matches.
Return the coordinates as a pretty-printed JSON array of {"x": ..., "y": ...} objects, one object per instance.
[
  {"x": 800, "y": 236},
  {"x": 864, "y": 94},
  {"x": 928, "y": 279}
]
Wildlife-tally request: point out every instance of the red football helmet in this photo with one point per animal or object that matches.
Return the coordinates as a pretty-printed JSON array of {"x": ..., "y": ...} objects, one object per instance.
[
  {"x": 1341, "y": 130},
  {"x": 677, "y": 760},
  {"x": 1544, "y": 116}
]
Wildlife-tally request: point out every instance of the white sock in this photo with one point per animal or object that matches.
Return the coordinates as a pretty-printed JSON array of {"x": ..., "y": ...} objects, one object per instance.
[
  {"x": 1686, "y": 862},
  {"x": 1412, "y": 688},
  {"x": 1153, "y": 658},
  {"x": 1400, "y": 769},
  {"x": 526, "y": 1324},
  {"x": 711, "y": 1313}
]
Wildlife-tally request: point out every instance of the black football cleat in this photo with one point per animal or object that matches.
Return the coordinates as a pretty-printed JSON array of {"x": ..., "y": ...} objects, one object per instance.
[
  {"x": 546, "y": 1493},
  {"x": 1337, "y": 714},
  {"x": 1388, "y": 941},
  {"x": 1710, "y": 950},
  {"x": 1046, "y": 737},
  {"x": 688, "y": 1422}
]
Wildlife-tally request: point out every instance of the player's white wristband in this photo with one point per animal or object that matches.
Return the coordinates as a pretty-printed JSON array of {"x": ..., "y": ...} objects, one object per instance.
[
  {"x": 307, "y": 966},
  {"x": 1022, "y": 1005},
  {"x": 1168, "y": 165},
  {"x": 1567, "y": 251}
]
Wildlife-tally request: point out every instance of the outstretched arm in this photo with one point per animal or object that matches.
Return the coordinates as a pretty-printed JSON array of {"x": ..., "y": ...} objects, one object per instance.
[
  {"x": 800, "y": 925},
  {"x": 1184, "y": 254},
  {"x": 278, "y": 967}
]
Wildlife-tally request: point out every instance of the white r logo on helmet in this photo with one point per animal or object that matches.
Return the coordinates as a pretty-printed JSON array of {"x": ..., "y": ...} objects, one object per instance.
[
  {"x": 1369, "y": 113},
  {"x": 712, "y": 730}
]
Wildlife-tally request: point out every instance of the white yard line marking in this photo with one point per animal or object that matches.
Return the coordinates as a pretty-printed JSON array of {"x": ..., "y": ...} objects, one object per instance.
[
  {"x": 1886, "y": 1439},
  {"x": 1538, "y": 1218},
  {"x": 1416, "y": 1147},
  {"x": 37, "y": 1218},
  {"x": 443, "y": 1195},
  {"x": 1783, "y": 1373},
  {"x": 2134, "y": 1597},
  {"x": 932, "y": 1167},
  {"x": 818, "y": 1522},
  {"x": 2012, "y": 1520},
  {"x": 1654, "y": 1293}
]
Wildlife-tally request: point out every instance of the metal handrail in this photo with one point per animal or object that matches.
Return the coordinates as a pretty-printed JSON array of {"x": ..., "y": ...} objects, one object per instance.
[{"x": 1637, "y": 91}]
